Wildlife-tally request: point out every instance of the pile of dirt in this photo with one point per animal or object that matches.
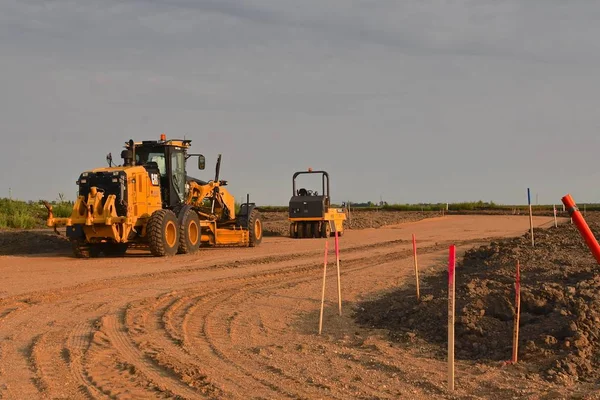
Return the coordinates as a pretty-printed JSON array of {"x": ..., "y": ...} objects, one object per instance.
[
  {"x": 376, "y": 219},
  {"x": 277, "y": 224},
  {"x": 560, "y": 305},
  {"x": 18, "y": 242}
]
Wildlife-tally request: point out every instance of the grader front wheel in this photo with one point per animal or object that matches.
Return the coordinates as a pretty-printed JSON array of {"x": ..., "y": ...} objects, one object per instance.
[
  {"x": 189, "y": 233},
  {"x": 163, "y": 233}
]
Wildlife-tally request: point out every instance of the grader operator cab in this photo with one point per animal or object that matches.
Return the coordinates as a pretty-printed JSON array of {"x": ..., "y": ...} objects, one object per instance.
[
  {"x": 310, "y": 213},
  {"x": 150, "y": 202}
]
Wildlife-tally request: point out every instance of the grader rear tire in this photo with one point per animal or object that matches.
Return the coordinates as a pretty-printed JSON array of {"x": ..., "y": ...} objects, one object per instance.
[
  {"x": 190, "y": 233},
  {"x": 163, "y": 233},
  {"x": 255, "y": 229}
]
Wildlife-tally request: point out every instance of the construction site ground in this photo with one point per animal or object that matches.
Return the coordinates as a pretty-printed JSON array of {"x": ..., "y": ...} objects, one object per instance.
[{"x": 242, "y": 323}]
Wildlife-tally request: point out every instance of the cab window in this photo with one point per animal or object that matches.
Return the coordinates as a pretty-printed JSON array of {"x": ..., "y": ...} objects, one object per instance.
[{"x": 158, "y": 158}]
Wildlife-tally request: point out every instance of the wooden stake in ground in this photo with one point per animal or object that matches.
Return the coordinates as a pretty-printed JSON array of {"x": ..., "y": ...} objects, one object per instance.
[
  {"x": 555, "y": 223},
  {"x": 517, "y": 314},
  {"x": 451, "y": 296},
  {"x": 416, "y": 266},
  {"x": 349, "y": 214},
  {"x": 530, "y": 216},
  {"x": 323, "y": 292},
  {"x": 337, "y": 260}
]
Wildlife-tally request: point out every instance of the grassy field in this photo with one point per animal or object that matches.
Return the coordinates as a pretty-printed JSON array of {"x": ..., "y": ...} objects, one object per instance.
[
  {"x": 17, "y": 214},
  {"x": 27, "y": 215}
]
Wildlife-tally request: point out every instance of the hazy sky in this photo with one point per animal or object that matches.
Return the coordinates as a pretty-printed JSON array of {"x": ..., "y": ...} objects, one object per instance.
[{"x": 414, "y": 101}]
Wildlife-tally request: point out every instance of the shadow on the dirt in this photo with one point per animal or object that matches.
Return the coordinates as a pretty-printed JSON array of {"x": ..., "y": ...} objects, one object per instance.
[
  {"x": 335, "y": 327},
  {"x": 31, "y": 243},
  {"x": 45, "y": 243},
  {"x": 271, "y": 233}
]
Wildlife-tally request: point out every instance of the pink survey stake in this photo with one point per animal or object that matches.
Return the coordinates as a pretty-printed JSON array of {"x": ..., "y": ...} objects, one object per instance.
[
  {"x": 518, "y": 280},
  {"x": 451, "y": 264}
]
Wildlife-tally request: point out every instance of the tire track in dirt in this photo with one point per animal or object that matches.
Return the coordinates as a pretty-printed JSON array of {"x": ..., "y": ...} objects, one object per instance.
[
  {"x": 209, "y": 334},
  {"x": 163, "y": 380},
  {"x": 152, "y": 347},
  {"x": 52, "y": 374},
  {"x": 77, "y": 344},
  {"x": 273, "y": 365},
  {"x": 54, "y": 295},
  {"x": 146, "y": 329},
  {"x": 240, "y": 288},
  {"x": 3, "y": 387},
  {"x": 207, "y": 337},
  {"x": 141, "y": 316},
  {"x": 350, "y": 267},
  {"x": 175, "y": 313},
  {"x": 16, "y": 356},
  {"x": 220, "y": 320}
]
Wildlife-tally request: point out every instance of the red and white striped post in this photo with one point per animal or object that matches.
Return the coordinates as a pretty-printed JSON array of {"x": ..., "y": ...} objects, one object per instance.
[{"x": 451, "y": 307}]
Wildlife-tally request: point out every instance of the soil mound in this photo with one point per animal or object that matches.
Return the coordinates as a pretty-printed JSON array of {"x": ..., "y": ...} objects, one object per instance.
[
  {"x": 560, "y": 305},
  {"x": 13, "y": 242}
]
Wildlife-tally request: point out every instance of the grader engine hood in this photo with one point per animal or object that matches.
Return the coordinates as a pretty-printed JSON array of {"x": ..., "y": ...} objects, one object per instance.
[
  {"x": 108, "y": 182},
  {"x": 102, "y": 196}
]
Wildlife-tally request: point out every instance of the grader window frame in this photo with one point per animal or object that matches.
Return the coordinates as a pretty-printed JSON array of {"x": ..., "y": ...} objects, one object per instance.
[{"x": 173, "y": 175}]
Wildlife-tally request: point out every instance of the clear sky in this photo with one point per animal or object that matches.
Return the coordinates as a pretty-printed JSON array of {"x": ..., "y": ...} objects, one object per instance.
[{"x": 411, "y": 101}]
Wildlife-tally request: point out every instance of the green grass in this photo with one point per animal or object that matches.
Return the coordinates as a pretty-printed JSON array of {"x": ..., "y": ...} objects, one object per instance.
[{"x": 19, "y": 214}]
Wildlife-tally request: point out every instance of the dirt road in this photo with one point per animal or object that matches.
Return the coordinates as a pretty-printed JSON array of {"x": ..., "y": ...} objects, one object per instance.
[{"x": 227, "y": 323}]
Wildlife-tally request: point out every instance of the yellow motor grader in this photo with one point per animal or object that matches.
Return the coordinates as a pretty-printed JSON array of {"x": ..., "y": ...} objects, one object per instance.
[{"x": 150, "y": 202}]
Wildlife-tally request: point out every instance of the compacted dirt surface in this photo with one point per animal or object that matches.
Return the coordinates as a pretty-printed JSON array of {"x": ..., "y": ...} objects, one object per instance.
[{"x": 242, "y": 323}]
